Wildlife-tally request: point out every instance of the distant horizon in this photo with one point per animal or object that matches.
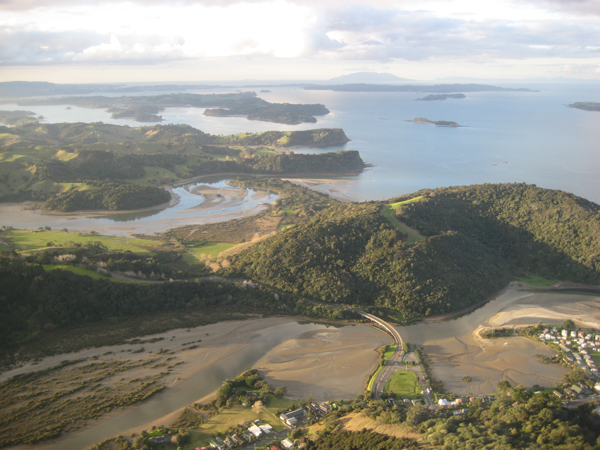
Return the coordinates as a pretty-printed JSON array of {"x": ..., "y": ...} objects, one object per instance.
[{"x": 267, "y": 81}]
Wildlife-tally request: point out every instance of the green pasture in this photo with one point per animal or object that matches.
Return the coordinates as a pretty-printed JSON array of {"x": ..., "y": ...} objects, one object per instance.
[
  {"x": 190, "y": 259},
  {"x": 405, "y": 384},
  {"x": 155, "y": 174},
  {"x": 265, "y": 151},
  {"x": 397, "y": 204},
  {"x": 209, "y": 249},
  {"x": 389, "y": 213},
  {"x": 535, "y": 280},
  {"x": 82, "y": 271},
  {"x": 27, "y": 241},
  {"x": 389, "y": 352}
]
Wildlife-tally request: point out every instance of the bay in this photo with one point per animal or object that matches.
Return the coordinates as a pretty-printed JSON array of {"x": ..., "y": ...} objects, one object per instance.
[{"x": 529, "y": 137}]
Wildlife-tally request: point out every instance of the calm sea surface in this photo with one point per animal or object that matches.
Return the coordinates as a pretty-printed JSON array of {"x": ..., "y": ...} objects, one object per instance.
[{"x": 530, "y": 137}]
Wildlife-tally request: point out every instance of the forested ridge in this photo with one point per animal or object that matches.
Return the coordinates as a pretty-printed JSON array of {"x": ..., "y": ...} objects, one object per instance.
[
  {"x": 109, "y": 196},
  {"x": 478, "y": 239},
  {"x": 549, "y": 232},
  {"x": 33, "y": 300},
  {"x": 87, "y": 166}
]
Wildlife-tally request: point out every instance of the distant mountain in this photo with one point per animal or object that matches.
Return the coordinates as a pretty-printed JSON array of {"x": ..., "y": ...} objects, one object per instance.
[
  {"x": 369, "y": 77},
  {"x": 437, "y": 88}
]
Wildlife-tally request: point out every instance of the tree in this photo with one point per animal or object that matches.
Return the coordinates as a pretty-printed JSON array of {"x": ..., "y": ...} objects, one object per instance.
[
  {"x": 569, "y": 325},
  {"x": 280, "y": 391}
]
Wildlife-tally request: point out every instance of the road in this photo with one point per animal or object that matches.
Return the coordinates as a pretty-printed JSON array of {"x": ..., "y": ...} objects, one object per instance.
[{"x": 396, "y": 361}]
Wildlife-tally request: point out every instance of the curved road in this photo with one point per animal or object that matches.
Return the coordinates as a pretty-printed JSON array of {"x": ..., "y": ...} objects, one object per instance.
[{"x": 395, "y": 361}]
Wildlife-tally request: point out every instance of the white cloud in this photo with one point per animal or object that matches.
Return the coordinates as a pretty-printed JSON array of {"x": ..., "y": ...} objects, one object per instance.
[{"x": 154, "y": 31}]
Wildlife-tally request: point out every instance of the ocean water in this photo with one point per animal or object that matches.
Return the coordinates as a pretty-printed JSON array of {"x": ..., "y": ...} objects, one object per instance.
[{"x": 530, "y": 137}]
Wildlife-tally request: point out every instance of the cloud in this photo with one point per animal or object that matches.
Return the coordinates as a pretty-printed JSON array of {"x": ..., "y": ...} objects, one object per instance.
[
  {"x": 124, "y": 32},
  {"x": 577, "y": 7},
  {"x": 420, "y": 35},
  {"x": 26, "y": 45}
]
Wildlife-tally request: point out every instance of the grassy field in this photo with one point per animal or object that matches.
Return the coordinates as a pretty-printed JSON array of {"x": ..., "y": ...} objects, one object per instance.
[
  {"x": 389, "y": 351},
  {"x": 534, "y": 280},
  {"x": 83, "y": 271},
  {"x": 209, "y": 249},
  {"x": 26, "y": 241},
  {"x": 595, "y": 356},
  {"x": 404, "y": 384},
  {"x": 190, "y": 259},
  {"x": 389, "y": 213},
  {"x": 229, "y": 418},
  {"x": 373, "y": 378}
]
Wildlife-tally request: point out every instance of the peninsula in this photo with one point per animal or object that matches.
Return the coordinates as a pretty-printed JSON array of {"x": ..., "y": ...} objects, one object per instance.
[
  {"x": 437, "y": 123},
  {"x": 73, "y": 167},
  {"x": 586, "y": 106}
]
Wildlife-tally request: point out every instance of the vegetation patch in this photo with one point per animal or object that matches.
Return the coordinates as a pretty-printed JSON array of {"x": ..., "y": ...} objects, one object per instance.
[
  {"x": 83, "y": 272},
  {"x": 534, "y": 280},
  {"x": 404, "y": 384},
  {"x": 43, "y": 405}
]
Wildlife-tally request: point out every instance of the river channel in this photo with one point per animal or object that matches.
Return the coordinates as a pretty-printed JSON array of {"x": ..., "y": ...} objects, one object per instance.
[
  {"x": 336, "y": 361},
  {"x": 188, "y": 206}
]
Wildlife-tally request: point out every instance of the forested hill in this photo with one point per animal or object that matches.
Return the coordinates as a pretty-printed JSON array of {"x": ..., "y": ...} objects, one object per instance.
[
  {"x": 352, "y": 254},
  {"x": 478, "y": 238},
  {"x": 553, "y": 233}
]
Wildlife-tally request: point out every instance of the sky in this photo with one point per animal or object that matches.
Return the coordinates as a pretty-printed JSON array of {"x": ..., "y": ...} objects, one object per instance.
[{"x": 77, "y": 41}]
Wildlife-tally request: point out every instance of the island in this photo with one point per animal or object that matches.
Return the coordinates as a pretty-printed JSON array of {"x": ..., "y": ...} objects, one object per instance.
[
  {"x": 437, "y": 123},
  {"x": 586, "y": 106},
  {"x": 440, "y": 97},
  {"x": 145, "y": 108}
]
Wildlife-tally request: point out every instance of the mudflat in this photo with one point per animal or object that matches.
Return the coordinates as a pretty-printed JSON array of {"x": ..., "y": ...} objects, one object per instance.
[
  {"x": 456, "y": 348},
  {"x": 329, "y": 364}
]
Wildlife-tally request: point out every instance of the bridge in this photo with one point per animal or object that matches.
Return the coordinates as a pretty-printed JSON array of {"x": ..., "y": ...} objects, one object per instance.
[{"x": 395, "y": 361}]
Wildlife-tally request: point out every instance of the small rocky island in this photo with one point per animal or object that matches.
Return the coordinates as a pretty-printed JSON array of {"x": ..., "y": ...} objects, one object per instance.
[
  {"x": 586, "y": 106},
  {"x": 440, "y": 97},
  {"x": 437, "y": 123}
]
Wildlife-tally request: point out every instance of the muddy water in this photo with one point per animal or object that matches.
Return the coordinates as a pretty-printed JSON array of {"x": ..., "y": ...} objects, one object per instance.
[{"x": 252, "y": 340}]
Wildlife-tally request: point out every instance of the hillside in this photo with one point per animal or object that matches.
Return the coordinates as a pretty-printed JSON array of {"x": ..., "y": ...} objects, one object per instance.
[
  {"x": 99, "y": 166},
  {"x": 477, "y": 238}
]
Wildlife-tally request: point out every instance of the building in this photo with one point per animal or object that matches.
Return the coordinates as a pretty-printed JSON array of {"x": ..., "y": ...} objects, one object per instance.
[
  {"x": 161, "y": 439},
  {"x": 291, "y": 418},
  {"x": 256, "y": 431},
  {"x": 287, "y": 444}
]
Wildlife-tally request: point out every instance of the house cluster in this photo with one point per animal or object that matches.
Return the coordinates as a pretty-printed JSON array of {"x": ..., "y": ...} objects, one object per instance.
[
  {"x": 576, "y": 391},
  {"x": 253, "y": 433},
  {"x": 292, "y": 418},
  {"x": 577, "y": 347},
  {"x": 288, "y": 444},
  {"x": 444, "y": 403}
]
